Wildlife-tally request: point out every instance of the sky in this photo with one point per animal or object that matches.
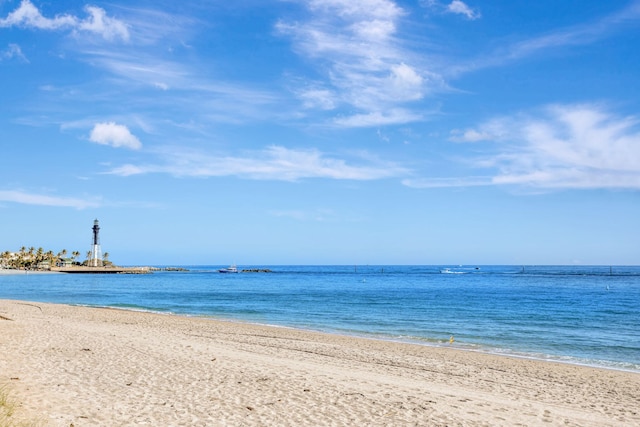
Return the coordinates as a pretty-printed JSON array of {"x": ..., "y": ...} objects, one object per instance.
[{"x": 265, "y": 132}]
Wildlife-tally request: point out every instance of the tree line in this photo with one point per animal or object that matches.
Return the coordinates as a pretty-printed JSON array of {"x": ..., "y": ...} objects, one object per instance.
[{"x": 33, "y": 259}]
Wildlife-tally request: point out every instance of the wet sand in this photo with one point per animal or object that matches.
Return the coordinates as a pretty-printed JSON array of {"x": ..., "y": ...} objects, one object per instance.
[{"x": 82, "y": 366}]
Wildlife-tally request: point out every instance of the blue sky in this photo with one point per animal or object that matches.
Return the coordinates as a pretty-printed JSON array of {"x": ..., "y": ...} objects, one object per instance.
[{"x": 323, "y": 131}]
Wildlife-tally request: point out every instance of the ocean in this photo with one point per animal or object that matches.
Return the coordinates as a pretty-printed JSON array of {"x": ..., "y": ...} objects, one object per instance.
[{"x": 581, "y": 315}]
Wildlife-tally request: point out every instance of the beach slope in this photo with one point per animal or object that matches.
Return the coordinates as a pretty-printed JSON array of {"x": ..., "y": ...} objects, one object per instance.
[{"x": 85, "y": 366}]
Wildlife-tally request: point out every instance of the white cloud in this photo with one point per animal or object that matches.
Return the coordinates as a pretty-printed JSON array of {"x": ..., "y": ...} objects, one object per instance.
[
  {"x": 28, "y": 16},
  {"x": 378, "y": 118},
  {"x": 161, "y": 86},
  {"x": 469, "y": 135},
  {"x": 129, "y": 170},
  {"x": 456, "y": 7},
  {"x": 575, "y": 146},
  {"x": 384, "y": 9},
  {"x": 12, "y": 51},
  {"x": 367, "y": 68},
  {"x": 374, "y": 30},
  {"x": 461, "y": 8},
  {"x": 318, "y": 97},
  {"x": 45, "y": 200},
  {"x": 493, "y": 130},
  {"x": 564, "y": 146},
  {"x": 406, "y": 82},
  {"x": 98, "y": 22},
  {"x": 274, "y": 163},
  {"x": 115, "y": 135}
]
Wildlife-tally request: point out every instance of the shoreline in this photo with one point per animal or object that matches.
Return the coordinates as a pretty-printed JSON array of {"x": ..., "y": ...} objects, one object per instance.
[
  {"x": 109, "y": 366},
  {"x": 628, "y": 367},
  {"x": 79, "y": 270},
  {"x": 13, "y": 272}
]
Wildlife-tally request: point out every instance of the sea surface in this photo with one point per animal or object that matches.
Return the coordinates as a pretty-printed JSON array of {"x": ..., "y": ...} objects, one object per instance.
[{"x": 581, "y": 315}]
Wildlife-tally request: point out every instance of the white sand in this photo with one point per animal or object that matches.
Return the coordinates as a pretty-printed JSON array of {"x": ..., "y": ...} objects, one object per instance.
[{"x": 101, "y": 367}]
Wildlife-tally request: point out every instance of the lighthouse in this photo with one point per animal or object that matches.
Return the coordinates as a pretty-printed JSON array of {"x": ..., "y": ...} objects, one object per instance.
[{"x": 96, "y": 255}]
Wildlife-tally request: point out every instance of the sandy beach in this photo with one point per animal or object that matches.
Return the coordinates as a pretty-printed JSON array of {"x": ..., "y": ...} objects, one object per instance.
[{"x": 79, "y": 366}]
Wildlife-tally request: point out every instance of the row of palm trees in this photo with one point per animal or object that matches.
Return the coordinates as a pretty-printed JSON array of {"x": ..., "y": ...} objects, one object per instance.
[{"x": 32, "y": 258}]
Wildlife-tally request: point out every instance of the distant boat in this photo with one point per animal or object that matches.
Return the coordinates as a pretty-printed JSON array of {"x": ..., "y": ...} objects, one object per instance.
[
  {"x": 230, "y": 269},
  {"x": 449, "y": 271}
]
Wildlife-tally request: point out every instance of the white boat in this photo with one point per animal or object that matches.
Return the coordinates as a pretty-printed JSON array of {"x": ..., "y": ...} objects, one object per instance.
[
  {"x": 230, "y": 269},
  {"x": 449, "y": 271}
]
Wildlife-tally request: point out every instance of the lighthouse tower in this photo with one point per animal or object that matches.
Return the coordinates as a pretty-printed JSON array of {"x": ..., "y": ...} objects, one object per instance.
[{"x": 96, "y": 254}]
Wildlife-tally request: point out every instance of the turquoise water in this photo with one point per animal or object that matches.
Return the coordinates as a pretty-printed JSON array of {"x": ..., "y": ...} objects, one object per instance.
[{"x": 584, "y": 315}]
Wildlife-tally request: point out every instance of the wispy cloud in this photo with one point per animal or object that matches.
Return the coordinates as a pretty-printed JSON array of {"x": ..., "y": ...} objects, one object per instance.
[
  {"x": 466, "y": 182},
  {"x": 579, "y": 34},
  {"x": 456, "y": 7},
  {"x": 149, "y": 27},
  {"x": 460, "y": 8},
  {"x": 367, "y": 67},
  {"x": 29, "y": 16},
  {"x": 12, "y": 51},
  {"x": 274, "y": 163},
  {"x": 576, "y": 35},
  {"x": 140, "y": 68},
  {"x": 318, "y": 215},
  {"x": 182, "y": 87},
  {"x": 562, "y": 147},
  {"x": 115, "y": 135},
  {"x": 377, "y": 118},
  {"x": 16, "y": 196}
]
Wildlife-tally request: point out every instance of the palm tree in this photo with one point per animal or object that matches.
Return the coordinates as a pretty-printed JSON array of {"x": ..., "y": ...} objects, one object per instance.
[
  {"x": 105, "y": 259},
  {"x": 20, "y": 261},
  {"x": 37, "y": 258},
  {"x": 28, "y": 258},
  {"x": 51, "y": 257},
  {"x": 20, "y": 256},
  {"x": 31, "y": 255},
  {"x": 6, "y": 256}
]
